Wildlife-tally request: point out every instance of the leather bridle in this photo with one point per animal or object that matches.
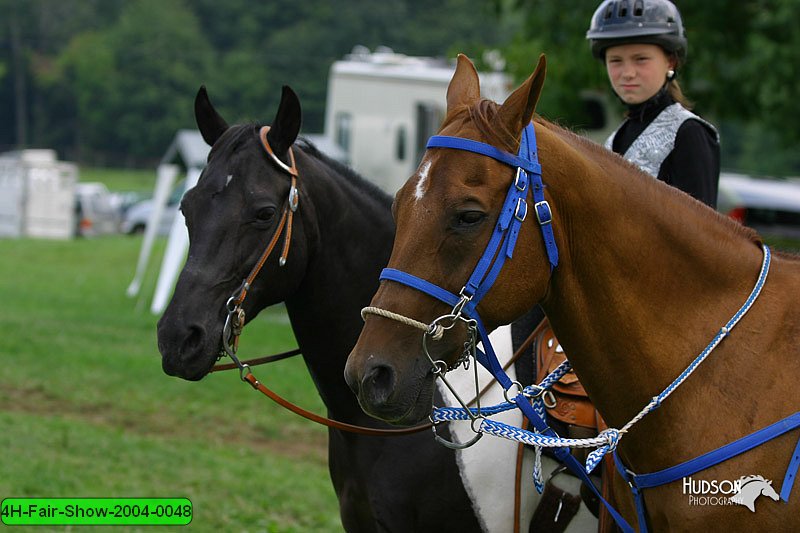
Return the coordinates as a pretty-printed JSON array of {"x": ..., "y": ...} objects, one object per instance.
[{"x": 235, "y": 313}]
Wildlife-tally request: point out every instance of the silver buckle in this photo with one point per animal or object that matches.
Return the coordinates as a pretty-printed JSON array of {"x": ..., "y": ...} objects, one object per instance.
[
  {"x": 539, "y": 214},
  {"x": 294, "y": 198},
  {"x": 517, "y": 180},
  {"x": 520, "y": 203}
]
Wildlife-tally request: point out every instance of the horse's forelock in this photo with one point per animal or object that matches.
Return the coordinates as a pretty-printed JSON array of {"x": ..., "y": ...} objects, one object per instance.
[
  {"x": 482, "y": 115},
  {"x": 230, "y": 141}
]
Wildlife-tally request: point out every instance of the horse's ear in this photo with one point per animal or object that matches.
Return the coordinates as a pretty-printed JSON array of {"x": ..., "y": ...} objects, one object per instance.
[
  {"x": 465, "y": 87},
  {"x": 287, "y": 122},
  {"x": 210, "y": 124},
  {"x": 517, "y": 111}
]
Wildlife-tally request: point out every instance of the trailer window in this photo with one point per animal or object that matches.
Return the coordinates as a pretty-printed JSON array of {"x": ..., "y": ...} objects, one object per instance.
[
  {"x": 344, "y": 126},
  {"x": 429, "y": 118},
  {"x": 400, "y": 144}
]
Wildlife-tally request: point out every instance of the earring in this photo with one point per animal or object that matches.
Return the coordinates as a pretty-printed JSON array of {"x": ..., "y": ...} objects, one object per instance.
[{"x": 670, "y": 74}]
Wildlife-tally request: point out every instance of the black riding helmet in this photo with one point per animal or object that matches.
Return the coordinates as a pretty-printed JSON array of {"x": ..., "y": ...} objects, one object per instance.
[{"x": 637, "y": 21}]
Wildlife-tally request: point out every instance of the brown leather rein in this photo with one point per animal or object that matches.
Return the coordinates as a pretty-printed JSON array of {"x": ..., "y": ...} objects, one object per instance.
[{"x": 247, "y": 375}]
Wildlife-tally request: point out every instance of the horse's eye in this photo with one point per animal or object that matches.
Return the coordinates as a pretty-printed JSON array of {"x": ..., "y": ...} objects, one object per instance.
[
  {"x": 265, "y": 214},
  {"x": 470, "y": 218}
]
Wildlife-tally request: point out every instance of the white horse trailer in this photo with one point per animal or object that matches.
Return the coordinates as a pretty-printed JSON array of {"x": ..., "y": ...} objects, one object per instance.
[
  {"x": 382, "y": 107},
  {"x": 37, "y": 195}
]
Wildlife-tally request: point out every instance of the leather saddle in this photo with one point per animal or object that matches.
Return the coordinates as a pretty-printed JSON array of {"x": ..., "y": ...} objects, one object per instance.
[{"x": 569, "y": 403}]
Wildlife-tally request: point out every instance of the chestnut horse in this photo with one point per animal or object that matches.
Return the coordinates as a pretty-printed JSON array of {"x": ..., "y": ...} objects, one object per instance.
[{"x": 645, "y": 277}]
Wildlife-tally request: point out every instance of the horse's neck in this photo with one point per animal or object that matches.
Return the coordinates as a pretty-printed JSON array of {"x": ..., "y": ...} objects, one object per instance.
[
  {"x": 350, "y": 234},
  {"x": 647, "y": 280}
]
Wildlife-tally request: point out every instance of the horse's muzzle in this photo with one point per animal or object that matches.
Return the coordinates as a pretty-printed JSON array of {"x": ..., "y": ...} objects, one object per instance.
[{"x": 186, "y": 352}]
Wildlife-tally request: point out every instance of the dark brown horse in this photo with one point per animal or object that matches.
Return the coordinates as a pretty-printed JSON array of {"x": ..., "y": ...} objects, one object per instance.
[{"x": 646, "y": 278}]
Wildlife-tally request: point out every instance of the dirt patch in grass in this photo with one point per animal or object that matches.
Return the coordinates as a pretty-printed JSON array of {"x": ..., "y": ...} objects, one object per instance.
[{"x": 295, "y": 441}]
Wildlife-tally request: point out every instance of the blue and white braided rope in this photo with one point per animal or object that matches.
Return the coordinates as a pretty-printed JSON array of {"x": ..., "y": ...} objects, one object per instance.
[{"x": 607, "y": 440}]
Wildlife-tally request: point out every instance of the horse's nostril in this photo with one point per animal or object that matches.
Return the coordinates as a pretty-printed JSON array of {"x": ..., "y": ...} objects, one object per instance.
[
  {"x": 193, "y": 340},
  {"x": 378, "y": 383}
]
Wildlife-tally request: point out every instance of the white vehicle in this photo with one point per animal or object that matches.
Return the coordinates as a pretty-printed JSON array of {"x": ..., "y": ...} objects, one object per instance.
[
  {"x": 96, "y": 210},
  {"x": 382, "y": 107},
  {"x": 135, "y": 219},
  {"x": 770, "y": 206}
]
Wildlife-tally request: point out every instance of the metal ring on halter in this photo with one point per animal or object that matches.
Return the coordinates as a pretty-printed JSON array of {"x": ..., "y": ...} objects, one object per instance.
[
  {"x": 436, "y": 329},
  {"x": 461, "y": 303},
  {"x": 232, "y": 300},
  {"x": 454, "y": 445},
  {"x": 519, "y": 390},
  {"x": 244, "y": 369},
  {"x": 534, "y": 395},
  {"x": 472, "y": 424},
  {"x": 546, "y": 395},
  {"x": 439, "y": 367},
  {"x": 549, "y": 399},
  {"x": 294, "y": 198},
  {"x": 226, "y": 337},
  {"x": 437, "y": 322}
]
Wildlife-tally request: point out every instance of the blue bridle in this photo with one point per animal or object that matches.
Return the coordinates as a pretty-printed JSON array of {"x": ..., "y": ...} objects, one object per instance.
[{"x": 503, "y": 240}]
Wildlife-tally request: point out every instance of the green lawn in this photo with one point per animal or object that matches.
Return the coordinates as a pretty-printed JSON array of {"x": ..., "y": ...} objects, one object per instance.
[{"x": 85, "y": 410}]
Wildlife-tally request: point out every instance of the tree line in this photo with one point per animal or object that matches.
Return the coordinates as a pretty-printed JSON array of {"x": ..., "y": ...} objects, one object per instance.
[{"x": 108, "y": 82}]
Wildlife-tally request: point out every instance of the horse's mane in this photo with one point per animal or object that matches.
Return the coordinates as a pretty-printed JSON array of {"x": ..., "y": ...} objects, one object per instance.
[
  {"x": 353, "y": 177},
  {"x": 482, "y": 115},
  {"x": 608, "y": 158}
]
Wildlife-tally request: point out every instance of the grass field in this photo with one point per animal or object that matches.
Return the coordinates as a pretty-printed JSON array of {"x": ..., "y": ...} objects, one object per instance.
[
  {"x": 121, "y": 180},
  {"x": 85, "y": 410}
]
